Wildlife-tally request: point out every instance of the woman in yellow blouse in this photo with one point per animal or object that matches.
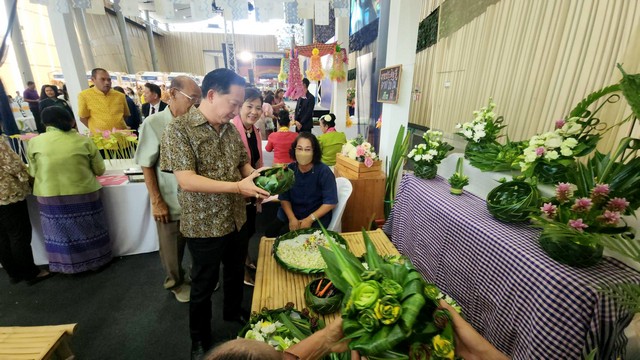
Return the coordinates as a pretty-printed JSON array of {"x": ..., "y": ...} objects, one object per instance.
[
  {"x": 64, "y": 165},
  {"x": 15, "y": 228},
  {"x": 331, "y": 141}
]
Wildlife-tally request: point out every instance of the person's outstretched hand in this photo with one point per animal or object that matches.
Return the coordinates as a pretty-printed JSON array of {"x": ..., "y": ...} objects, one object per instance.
[{"x": 470, "y": 345}]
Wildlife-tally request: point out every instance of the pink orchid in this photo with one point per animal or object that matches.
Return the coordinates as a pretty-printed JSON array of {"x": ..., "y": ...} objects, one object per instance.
[
  {"x": 600, "y": 191},
  {"x": 578, "y": 224},
  {"x": 540, "y": 151},
  {"x": 610, "y": 217},
  {"x": 368, "y": 162},
  {"x": 617, "y": 204},
  {"x": 106, "y": 134},
  {"x": 549, "y": 210},
  {"x": 560, "y": 123},
  {"x": 582, "y": 204},
  {"x": 564, "y": 191},
  {"x": 360, "y": 150}
]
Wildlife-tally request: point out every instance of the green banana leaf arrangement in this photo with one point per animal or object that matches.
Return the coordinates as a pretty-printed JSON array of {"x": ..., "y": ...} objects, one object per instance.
[
  {"x": 389, "y": 311},
  {"x": 513, "y": 201},
  {"x": 276, "y": 180},
  {"x": 294, "y": 234}
]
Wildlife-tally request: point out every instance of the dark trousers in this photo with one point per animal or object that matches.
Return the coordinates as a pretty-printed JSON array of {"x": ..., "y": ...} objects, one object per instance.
[
  {"x": 207, "y": 254},
  {"x": 279, "y": 227},
  {"x": 15, "y": 241},
  {"x": 36, "y": 117}
]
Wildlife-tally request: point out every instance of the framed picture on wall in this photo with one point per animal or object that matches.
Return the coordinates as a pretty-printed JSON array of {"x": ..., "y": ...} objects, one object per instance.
[{"x": 389, "y": 84}]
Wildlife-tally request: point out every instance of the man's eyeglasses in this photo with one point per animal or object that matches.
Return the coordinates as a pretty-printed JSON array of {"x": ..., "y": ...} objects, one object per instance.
[{"x": 194, "y": 100}]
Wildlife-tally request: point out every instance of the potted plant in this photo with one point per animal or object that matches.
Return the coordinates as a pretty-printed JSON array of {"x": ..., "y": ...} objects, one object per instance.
[
  {"x": 428, "y": 155},
  {"x": 398, "y": 159},
  {"x": 513, "y": 201},
  {"x": 458, "y": 180},
  {"x": 482, "y": 131}
]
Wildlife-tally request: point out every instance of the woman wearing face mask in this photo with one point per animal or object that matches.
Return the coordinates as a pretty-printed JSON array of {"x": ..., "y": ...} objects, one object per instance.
[
  {"x": 250, "y": 113},
  {"x": 314, "y": 193}
]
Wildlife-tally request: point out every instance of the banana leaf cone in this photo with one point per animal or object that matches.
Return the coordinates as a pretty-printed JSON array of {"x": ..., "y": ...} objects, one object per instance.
[
  {"x": 322, "y": 305},
  {"x": 513, "y": 201},
  {"x": 276, "y": 180}
]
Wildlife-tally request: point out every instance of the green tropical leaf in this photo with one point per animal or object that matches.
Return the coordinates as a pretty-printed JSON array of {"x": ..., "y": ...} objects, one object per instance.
[
  {"x": 371, "y": 255},
  {"x": 581, "y": 110},
  {"x": 621, "y": 244},
  {"x": 625, "y": 295},
  {"x": 630, "y": 85}
]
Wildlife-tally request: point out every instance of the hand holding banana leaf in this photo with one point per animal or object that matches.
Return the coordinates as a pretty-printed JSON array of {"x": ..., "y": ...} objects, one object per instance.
[{"x": 276, "y": 180}]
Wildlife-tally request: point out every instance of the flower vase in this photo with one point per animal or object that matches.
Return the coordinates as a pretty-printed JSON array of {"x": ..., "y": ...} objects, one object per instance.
[
  {"x": 455, "y": 191},
  {"x": 474, "y": 148},
  {"x": 425, "y": 171},
  {"x": 551, "y": 173},
  {"x": 578, "y": 249}
]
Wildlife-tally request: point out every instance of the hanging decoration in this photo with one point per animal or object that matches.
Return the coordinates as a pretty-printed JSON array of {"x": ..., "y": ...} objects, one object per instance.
[
  {"x": 315, "y": 72},
  {"x": 295, "y": 88},
  {"x": 337, "y": 72},
  {"x": 284, "y": 67}
]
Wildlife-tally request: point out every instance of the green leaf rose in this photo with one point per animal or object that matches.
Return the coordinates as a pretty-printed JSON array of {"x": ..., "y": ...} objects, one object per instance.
[
  {"x": 365, "y": 294},
  {"x": 368, "y": 320},
  {"x": 442, "y": 347},
  {"x": 388, "y": 310},
  {"x": 431, "y": 292},
  {"x": 390, "y": 287}
]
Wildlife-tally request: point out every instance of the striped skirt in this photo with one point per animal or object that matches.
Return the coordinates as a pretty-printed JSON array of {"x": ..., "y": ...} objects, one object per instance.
[{"x": 75, "y": 232}]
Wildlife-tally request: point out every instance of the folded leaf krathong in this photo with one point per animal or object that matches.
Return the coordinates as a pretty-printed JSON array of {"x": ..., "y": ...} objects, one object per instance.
[{"x": 388, "y": 310}]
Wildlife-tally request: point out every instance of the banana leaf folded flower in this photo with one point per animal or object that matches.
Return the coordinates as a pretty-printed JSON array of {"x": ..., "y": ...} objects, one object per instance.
[
  {"x": 276, "y": 180},
  {"x": 389, "y": 311}
]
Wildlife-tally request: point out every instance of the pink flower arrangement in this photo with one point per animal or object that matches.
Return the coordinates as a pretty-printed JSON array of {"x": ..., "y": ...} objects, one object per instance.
[
  {"x": 360, "y": 150},
  {"x": 594, "y": 212}
]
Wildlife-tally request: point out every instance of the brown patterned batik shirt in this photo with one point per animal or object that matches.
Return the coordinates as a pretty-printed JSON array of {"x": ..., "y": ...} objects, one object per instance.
[{"x": 190, "y": 143}]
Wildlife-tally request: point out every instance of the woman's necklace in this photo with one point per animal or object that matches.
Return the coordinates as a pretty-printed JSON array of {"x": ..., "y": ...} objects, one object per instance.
[
  {"x": 248, "y": 132},
  {"x": 283, "y": 129}
]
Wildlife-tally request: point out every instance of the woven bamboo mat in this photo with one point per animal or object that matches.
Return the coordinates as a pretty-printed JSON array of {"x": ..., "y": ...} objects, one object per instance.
[{"x": 275, "y": 286}]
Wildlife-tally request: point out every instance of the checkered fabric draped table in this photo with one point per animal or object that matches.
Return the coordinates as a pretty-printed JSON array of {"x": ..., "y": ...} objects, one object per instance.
[{"x": 526, "y": 304}]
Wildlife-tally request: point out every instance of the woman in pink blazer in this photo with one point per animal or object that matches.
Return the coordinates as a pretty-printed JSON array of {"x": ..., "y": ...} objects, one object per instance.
[{"x": 250, "y": 112}]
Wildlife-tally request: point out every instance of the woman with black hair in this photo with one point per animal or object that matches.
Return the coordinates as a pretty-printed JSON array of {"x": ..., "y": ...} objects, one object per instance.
[
  {"x": 331, "y": 141},
  {"x": 280, "y": 141},
  {"x": 49, "y": 97},
  {"x": 314, "y": 193},
  {"x": 64, "y": 165}
]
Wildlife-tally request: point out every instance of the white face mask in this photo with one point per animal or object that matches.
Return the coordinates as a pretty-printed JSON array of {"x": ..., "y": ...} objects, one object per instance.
[{"x": 304, "y": 157}]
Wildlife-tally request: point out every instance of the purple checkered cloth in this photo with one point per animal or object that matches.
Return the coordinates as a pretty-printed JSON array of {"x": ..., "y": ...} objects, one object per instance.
[{"x": 525, "y": 303}]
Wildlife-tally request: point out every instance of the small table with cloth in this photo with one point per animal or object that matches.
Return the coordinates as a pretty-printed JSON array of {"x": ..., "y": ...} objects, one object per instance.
[{"x": 526, "y": 304}]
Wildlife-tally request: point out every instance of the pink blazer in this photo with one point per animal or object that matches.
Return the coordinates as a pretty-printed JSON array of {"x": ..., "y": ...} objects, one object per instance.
[{"x": 243, "y": 135}]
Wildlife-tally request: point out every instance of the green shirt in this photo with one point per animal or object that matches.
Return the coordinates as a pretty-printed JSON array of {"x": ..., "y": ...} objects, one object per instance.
[
  {"x": 148, "y": 155},
  {"x": 331, "y": 144},
  {"x": 190, "y": 143},
  {"x": 64, "y": 163}
]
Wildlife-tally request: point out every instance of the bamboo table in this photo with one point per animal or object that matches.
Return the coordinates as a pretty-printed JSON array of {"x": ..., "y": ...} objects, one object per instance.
[
  {"x": 275, "y": 286},
  {"x": 36, "y": 342}
]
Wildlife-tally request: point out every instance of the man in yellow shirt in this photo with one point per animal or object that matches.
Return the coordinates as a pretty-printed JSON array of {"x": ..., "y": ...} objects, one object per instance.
[{"x": 102, "y": 108}]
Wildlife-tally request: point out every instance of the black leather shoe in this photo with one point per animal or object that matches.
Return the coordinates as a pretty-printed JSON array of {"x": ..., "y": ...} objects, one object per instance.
[{"x": 197, "y": 351}]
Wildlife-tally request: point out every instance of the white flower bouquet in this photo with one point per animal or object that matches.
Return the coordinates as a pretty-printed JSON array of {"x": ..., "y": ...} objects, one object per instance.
[{"x": 485, "y": 127}]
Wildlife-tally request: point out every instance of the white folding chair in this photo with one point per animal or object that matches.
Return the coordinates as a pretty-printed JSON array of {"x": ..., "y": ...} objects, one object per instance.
[{"x": 344, "y": 191}]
